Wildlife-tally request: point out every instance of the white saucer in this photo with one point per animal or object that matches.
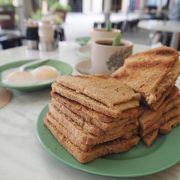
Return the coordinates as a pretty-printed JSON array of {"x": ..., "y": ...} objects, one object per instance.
[
  {"x": 84, "y": 67},
  {"x": 84, "y": 51}
]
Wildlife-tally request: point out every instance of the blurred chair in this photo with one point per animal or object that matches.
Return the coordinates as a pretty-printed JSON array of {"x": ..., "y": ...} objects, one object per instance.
[
  {"x": 118, "y": 25},
  {"x": 115, "y": 25},
  {"x": 99, "y": 25},
  {"x": 131, "y": 25},
  {"x": 10, "y": 41},
  {"x": 59, "y": 34}
]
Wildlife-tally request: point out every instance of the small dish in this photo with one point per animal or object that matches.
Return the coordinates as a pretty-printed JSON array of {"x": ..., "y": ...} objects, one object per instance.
[{"x": 61, "y": 67}]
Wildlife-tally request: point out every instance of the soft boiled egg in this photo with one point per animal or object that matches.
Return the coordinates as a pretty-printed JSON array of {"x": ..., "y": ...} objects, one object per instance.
[
  {"x": 45, "y": 73},
  {"x": 19, "y": 77}
]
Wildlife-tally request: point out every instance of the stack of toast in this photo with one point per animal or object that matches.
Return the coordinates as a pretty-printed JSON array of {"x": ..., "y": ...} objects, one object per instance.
[
  {"x": 152, "y": 122},
  {"x": 153, "y": 74},
  {"x": 171, "y": 112},
  {"x": 92, "y": 116}
]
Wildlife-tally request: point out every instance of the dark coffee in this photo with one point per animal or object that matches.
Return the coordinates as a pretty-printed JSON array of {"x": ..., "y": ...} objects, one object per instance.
[{"x": 107, "y": 43}]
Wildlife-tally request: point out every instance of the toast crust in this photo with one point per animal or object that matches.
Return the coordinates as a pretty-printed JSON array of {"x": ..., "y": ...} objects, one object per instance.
[
  {"x": 105, "y": 89},
  {"x": 168, "y": 126},
  {"x": 90, "y": 114},
  {"x": 151, "y": 120},
  {"x": 150, "y": 138},
  {"x": 116, "y": 111}
]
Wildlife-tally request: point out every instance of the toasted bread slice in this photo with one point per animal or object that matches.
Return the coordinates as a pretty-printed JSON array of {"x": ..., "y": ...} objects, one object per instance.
[
  {"x": 169, "y": 95},
  {"x": 172, "y": 104},
  {"x": 150, "y": 73},
  {"x": 150, "y": 129},
  {"x": 151, "y": 137},
  {"x": 93, "y": 116},
  {"x": 104, "y": 89},
  {"x": 88, "y": 127},
  {"x": 116, "y": 146},
  {"x": 162, "y": 98},
  {"x": 150, "y": 119},
  {"x": 83, "y": 139},
  {"x": 169, "y": 125},
  {"x": 102, "y": 94},
  {"x": 117, "y": 111},
  {"x": 170, "y": 114}
]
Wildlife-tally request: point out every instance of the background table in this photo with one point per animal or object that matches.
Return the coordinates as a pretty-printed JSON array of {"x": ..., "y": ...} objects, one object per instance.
[
  {"x": 163, "y": 26},
  {"x": 159, "y": 25},
  {"x": 21, "y": 155}
]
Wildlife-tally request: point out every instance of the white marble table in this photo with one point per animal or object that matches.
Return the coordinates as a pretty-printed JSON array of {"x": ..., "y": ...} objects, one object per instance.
[{"x": 21, "y": 155}]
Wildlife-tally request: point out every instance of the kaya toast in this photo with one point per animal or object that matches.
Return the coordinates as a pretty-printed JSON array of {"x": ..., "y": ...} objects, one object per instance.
[
  {"x": 100, "y": 93},
  {"x": 151, "y": 73},
  {"x": 115, "y": 146}
]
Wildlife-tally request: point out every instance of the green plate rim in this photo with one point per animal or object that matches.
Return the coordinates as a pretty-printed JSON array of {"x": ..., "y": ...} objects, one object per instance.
[
  {"x": 106, "y": 174},
  {"x": 31, "y": 86}
]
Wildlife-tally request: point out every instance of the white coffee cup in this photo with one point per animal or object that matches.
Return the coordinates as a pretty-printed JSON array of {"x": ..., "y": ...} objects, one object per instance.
[
  {"x": 102, "y": 34},
  {"x": 106, "y": 58}
]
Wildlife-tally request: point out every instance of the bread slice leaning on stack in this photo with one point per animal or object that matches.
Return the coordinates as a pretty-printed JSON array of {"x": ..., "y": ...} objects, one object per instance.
[
  {"x": 152, "y": 74},
  {"x": 171, "y": 112},
  {"x": 162, "y": 120}
]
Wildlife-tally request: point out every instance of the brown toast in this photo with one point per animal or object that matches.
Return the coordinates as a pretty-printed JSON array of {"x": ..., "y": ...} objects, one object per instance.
[
  {"x": 144, "y": 132},
  {"x": 173, "y": 103},
  {"x": 170, "y": 114},
  {"x": 102, "y": 94},
  {"x": 116, "y": 146},
  {"x": 86, "y": 126},
  {"x": 172, "y": 106},
  {"x": 105, "y": 89},
  {"x": 100, "y": 120},
  {"x": 160, "y": 101},
  {"x": 151, "y": 119},
  {"x": 118, "y": 111},
  {"x": 150, "y": 73},
  {"x": 169, "y": 125},
  {"x": 83, "y": 139},
  {"x": 151, "y": 137}
]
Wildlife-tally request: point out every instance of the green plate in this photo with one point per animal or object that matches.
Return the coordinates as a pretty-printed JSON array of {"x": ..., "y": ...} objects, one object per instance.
[
  {"x": 139, "y": 161},
  {"x": 82, "y": 40},
  {"x": 62, "y": 67}
]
